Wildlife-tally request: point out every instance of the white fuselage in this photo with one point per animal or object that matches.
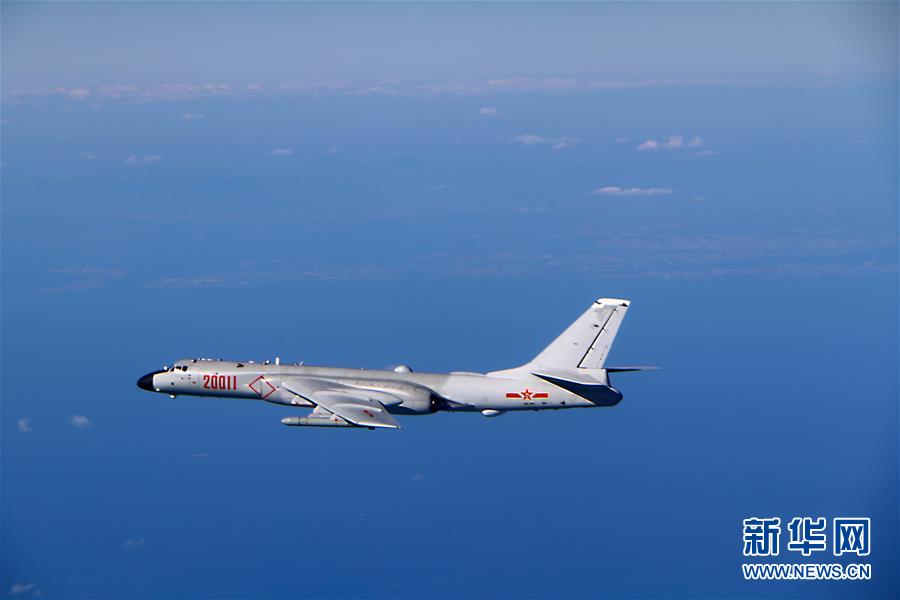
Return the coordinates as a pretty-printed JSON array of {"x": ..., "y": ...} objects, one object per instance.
[
  {"x": 569, "y": 373},
  {"x": 422, "y": 393}
]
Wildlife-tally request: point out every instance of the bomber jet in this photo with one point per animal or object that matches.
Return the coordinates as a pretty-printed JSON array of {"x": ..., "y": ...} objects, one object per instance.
[{"x": 569, "y": 373}]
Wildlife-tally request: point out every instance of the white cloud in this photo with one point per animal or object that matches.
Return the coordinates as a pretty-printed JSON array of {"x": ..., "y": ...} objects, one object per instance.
[
  {"x": 137, "y": 161},
  {"x": 22, "y": 589},
  {"x": 521, "y": 84},
  {"x": 133, "y": 544},
  {"x": 477, "y": 88},
  {"x": 76, "y": 93},
  {"x": 281, "y": 152},
  {"x": 529, "y": 139},
  {"x": 80, "y": 421},
  {"x": 707, "y": 152},
  {"x": 89, "y": 156},
  {"x": 622, "y": 140},
  {"x": 488, "y": 112},
  {"x": 71, "y": 93},
  {"x": 182, "y": 91},
  {"x": 188, "y": 116},
  {"x": 117, "y": 91},
  {"x": 333, "y": 150},
  {"x": 611, "y": 190},
  {"x": 673, "y": 142},
  {"x": 375, "y": 90},
  {"x": 166, "y": 91},
  {"x": 314, "y": 86},
  {"x": 555, "y": 84},
  {"x": 24, "y": 425},
  {"x": 649, "y": 145},
  {"x": 561, "y": 143},
  {"x": 254, "y": 87}
]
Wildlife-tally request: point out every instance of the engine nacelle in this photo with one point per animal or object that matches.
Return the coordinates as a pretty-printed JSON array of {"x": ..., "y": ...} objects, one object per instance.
[{"x": 415, "y": 401}]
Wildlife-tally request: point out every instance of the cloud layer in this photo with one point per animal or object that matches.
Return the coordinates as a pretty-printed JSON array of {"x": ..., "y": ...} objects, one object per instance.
[
  {"x": 529, "y": 139},
  {"x": 133, "y": 544},
  {"x": 385, "y": 87},
  {"x": 25, "y": 589},
  {"x": 676, "y": 142},
  {"x": 137, "y": 161},
  {"x": 80, "y": 421}
]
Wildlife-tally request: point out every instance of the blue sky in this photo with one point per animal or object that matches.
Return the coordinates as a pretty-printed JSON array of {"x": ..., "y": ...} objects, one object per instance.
[
  {"x": 445, "y": 185},
  {"x": 145, "y": 43}
]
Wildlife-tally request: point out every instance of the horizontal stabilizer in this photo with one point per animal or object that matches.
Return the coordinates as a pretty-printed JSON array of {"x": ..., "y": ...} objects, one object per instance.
[{"x": 629, "y": 369}]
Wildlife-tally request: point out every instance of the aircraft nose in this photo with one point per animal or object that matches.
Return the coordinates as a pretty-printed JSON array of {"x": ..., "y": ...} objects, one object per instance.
[{"x": 146, "y": 382}]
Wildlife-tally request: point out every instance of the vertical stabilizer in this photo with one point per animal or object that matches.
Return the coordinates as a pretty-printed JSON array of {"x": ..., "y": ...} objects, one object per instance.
[{"x": 586, "y": 342}]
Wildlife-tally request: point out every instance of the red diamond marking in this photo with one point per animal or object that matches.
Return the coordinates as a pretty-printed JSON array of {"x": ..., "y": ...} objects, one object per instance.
[{"x": 263, "y": 388}]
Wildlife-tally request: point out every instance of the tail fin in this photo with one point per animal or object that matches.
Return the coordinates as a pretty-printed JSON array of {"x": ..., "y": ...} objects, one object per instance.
[{"x": 586, "y": 342}]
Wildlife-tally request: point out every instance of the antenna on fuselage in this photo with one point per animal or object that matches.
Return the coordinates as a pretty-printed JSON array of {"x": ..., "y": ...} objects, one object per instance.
[{"x": 277, "y": 360}]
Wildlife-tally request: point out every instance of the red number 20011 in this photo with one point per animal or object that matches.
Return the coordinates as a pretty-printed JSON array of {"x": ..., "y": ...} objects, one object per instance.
[{"x": 220, "y": 382}]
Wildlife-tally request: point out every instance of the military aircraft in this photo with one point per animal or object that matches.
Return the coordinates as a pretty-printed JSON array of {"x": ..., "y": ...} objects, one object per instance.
[{"x": 569, "y": 373}]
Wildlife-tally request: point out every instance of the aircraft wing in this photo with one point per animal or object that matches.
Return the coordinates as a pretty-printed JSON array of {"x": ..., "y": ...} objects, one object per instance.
[{"x": 356, "y": 406}]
